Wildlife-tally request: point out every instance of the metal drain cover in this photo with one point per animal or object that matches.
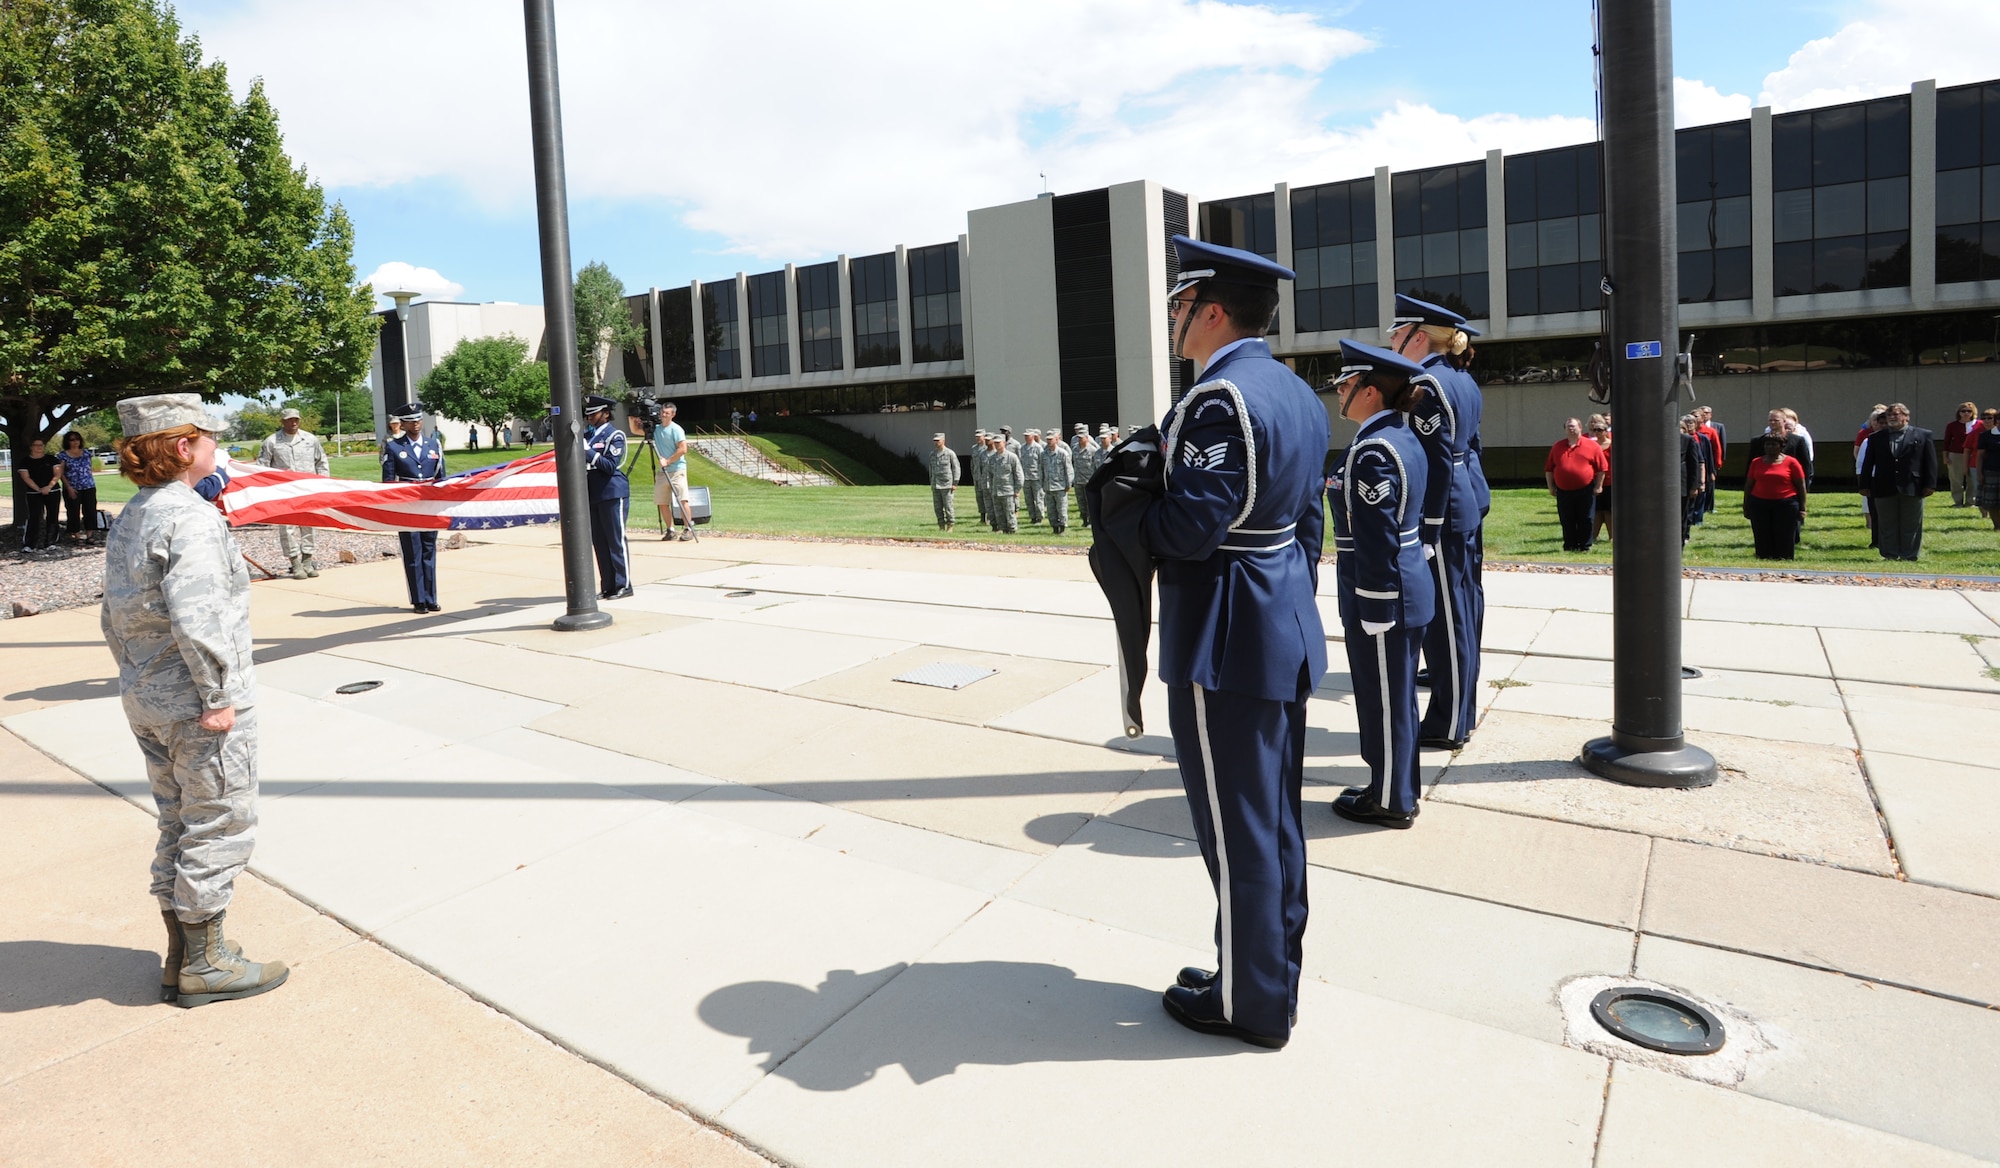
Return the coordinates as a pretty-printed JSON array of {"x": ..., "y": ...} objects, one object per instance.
[
  {"x": 355, "y": 687},
  {"x": 946, "y": 675}
]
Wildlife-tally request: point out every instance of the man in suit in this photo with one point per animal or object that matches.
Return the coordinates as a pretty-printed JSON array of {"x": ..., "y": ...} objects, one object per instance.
[
  {"x": 1237, "y": 535},
  {"x": 1902, "y": 472}
]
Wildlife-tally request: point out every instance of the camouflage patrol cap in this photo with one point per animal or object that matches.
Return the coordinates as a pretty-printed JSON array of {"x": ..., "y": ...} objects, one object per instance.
[
  {"x": 155, "y": 412},
  {"x": 287, "y": 414}
]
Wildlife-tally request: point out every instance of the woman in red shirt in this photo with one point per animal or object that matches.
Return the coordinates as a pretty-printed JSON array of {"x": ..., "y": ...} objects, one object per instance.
[
  {"x": 1961, "y": 440},
  {"x": 1774, "y": 500}
]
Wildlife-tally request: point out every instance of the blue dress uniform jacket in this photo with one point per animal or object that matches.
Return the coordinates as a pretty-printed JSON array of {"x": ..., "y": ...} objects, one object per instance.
[
  {"x": 416, "y": 460},
  {"x": 1446, "y": 420},
  {"x": 610, "y": 499},
  {"x": 1376, "y": 496},
  {"x": 1237, "y": 533}
]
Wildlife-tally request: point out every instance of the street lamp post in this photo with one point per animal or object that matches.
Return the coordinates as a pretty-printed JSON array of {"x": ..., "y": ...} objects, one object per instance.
[
  {"x": 566, "y": 405},
  {"x": 1647, "y": 746},
  {"x": 396, "y": 388}
]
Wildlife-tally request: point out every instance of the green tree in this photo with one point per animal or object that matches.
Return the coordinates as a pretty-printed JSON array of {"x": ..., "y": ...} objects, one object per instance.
[
  {"x": 487, "y": 380},
  {"x": 603, "y": 323},
  {"x": 154, "y": 236}
]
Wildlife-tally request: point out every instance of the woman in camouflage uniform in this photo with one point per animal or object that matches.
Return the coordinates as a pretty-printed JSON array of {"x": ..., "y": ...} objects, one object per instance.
[{"x": 177, "y": 620}]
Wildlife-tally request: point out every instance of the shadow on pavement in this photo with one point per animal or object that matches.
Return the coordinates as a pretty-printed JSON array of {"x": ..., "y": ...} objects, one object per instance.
[
  {"x": 36, "y": 975},
  {"x": 72, "y": 691},
  {"x": 932, "y": 1018}
]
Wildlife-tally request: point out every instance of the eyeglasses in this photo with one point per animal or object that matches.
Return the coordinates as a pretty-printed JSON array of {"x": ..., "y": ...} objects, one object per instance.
[{"x": 1177, "y": 304}]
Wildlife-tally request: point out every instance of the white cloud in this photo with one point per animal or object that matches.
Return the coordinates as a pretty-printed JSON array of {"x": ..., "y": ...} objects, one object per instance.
[
  {"x": 1700, "y": 104},
  {"x": 1951, "y": 41},
  {"x": 794, "y": 129},
  {"x": 398, "y": 276}
]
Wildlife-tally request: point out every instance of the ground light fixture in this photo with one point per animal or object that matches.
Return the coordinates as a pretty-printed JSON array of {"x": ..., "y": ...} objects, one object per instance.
[
  {"x": 1658, "y": 1020},
  {"x": 357, "y": 687}
]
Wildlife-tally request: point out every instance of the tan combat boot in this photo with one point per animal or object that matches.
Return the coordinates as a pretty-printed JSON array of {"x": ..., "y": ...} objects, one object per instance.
[
  {"x": 170, "y": 969},
  {"x": 298, "y": 569},
  {"x": 312, "y": 569},
  {"x": 213, "y": 971}
]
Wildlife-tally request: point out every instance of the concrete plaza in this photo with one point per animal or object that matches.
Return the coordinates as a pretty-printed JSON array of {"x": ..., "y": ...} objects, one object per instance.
[{"x": 835, "y": 919}]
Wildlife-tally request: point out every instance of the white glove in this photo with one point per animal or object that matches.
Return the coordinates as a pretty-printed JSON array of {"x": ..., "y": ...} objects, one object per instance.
[
  {"x": 1377, "y": 628},
  {"x": 1430, "y": 551}
]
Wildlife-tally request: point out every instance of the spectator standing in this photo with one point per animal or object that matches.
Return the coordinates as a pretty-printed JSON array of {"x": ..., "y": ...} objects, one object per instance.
[
  {"x": 1694, "y": 480},
  {"x": 1988, "y": 454},
  {"x": 1804, "y": 435},
  {"x": 1869, "y": 428},
  {"x": 40, "y": 472},
  {"x": 1901, "y": 473},
  {"x": 1774, "y": 500},
  {"x": 1600, "y": 433},
  {"x": 472, "y": 438},
  {"x": 1575, "y": 471},
  {"x": 1713, "y": 455},
  {"x": 296, "y": 449},
  {"x": 753, "y": 417},
  {"x": 79, "y": 487},
  {"x": 1961, "y": 442},
  {"x": 670, "y": 447}
]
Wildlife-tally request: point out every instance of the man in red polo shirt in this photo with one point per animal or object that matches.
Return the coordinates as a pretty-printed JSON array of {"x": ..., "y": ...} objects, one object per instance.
[{"x": 1575, "y": 471}]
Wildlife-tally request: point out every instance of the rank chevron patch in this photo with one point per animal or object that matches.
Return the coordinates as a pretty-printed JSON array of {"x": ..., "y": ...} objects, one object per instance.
[
  {"x": 1204, "y": 458},
  {"x": 1428, "y": 425},
  {"x": 1374, "y": 493}
]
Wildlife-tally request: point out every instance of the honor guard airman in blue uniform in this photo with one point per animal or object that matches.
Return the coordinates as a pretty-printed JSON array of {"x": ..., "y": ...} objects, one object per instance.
[
  {"x": 1446, "y": 417},
  {"x": 415, "y": 457},
  {"x": 1387, "y": 594},
  {"x": 610, "y": 497},
  {"x": 1237, "y": 537}
]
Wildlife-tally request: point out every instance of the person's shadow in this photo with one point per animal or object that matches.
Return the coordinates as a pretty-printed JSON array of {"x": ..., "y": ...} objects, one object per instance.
[
  {"x": 932, "y": 1017},
  {"x": 36, "y": 975}
]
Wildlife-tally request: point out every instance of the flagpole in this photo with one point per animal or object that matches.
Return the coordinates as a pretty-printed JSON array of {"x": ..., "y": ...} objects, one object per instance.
[{"x": 559, "y": 312}]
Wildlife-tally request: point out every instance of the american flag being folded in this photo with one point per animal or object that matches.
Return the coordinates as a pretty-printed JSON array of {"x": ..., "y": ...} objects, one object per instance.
[{"x": 511, "y": 494}]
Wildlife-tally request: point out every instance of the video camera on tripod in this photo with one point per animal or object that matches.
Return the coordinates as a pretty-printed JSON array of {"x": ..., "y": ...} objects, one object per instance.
[{"x": 643, "y": 408}]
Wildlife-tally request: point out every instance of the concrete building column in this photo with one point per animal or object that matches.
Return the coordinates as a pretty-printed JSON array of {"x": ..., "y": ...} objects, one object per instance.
[
  {"x": 1385, "y": 251},
  {"x": 846, "y": 316},
  {"x": 1496, "y": 242},
  {"x": 700, "y": 336},
  {"x": 1923, "y": 194},
  {"x": 746, "y": 370},
  {"x": 792, "y": 349},
  {"x": 903, "y": 305},
  {"x": 965, "y": 300},
  {"x": 1288, "y": 317},
  {"x": 653, "y": 336},
  {"x": 1763, "y": 293}
]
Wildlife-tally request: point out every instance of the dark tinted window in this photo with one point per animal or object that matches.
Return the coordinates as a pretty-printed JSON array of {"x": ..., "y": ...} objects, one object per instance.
[
  {"x": 1440, "y": 236},
  {"x": 770, "y": 349},
  {"x": 676, "y": 336},
  {"x": 1968, "y": 184},
  {"x": 720, "y": 328},
  {"x": 819, "y": 317},
  {"x": 1333, "y": 252},
  {"x": 872, "y": 292},
  {"x": 1553, "y": 231},
  {"x": 936, "y": 332},
  {"x": 1840, "y": 209}
]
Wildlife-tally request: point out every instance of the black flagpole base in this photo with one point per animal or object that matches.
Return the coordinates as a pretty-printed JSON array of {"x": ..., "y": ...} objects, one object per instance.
[
  {"x": 1684, "y": 766},
  {"x": 582, "y": 622}
]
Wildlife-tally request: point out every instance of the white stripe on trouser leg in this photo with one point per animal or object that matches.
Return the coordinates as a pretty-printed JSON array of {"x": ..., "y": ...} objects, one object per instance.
[
  {"x": 1450, "y": 640},
  {"x": 1388, "y": 724},
  {"x": 1225, "y": 978}
]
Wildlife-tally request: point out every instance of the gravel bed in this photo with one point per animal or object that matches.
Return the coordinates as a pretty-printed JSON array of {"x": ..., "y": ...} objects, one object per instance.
[{"x": 75, "y": 575}]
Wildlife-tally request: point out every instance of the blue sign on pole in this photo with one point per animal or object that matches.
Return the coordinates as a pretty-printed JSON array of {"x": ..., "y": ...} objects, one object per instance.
[{"x": 1635, "y": 350}]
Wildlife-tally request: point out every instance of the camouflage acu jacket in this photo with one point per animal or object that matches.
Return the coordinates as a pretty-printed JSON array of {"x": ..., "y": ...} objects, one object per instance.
[{"x": 177, "y": 608}]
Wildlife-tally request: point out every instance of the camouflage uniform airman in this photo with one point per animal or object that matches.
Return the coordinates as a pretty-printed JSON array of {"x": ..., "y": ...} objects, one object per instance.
[
  {"x": 1058, "y": 475},
  {"x": 944, "y": 483},
  {"x": 300, "y": 451},
  {"x": 176, "y": 617},
  {"x": 1008, "y": 481},
  {"x": 1031, "y": 469}
]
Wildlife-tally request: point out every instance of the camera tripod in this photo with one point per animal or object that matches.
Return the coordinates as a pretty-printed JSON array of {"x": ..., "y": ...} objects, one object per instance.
[{"x": 687, "y": 505}]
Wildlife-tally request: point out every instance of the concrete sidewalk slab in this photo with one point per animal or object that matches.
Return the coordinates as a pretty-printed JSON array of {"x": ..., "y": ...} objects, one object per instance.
[
  {"x": 1024, "y": 1013},
  {"x": 746, "y": 724},
  {"x": 1088, "y": 711},
  {"x": 1656, "y": 1120},
  {"x": 1938, "y": 724},
  {"x": 1063, "y": 638},
  {"x": 1944, "y": 817},
  {"x": 1868, "y": 926},
  {"x": 1936, "y": 660},
  {"x": 1775, "y": 688},
  {"x": 700, "y": 905},
  {"x": 747, "y": 654},
  {"x": 1779, "y": 798},
  {"x": 1887, "y": 1058},
  {"x": 563, "y": 679},
  {"x": 1015, "y": 682},
  {"x": 1051, "y": 597},
  {"x": 1840, "y": 606}
]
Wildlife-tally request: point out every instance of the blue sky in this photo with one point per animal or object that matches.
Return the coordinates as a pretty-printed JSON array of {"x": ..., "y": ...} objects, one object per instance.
[{"x": 693, "y": 154}]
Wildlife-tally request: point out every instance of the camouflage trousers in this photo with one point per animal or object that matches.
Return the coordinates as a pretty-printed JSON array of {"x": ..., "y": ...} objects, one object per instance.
[
  {"x": 1057, "y": 505},
  {"x": 1032, "y": 496},
  {"x": 295, "y": 541},
  {"x": 1003, "y": 512},
  {"x": 205, "y": 786},
  {"x": 944, "y": 501}
]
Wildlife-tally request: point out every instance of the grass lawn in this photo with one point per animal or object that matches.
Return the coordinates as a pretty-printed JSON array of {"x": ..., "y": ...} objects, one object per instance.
[
  {"x": 1957, "y": 541},
  {"x": 1521, "y": 527}
]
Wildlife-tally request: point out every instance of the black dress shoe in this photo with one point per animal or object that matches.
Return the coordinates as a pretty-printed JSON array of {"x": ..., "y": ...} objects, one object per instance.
[
  {"x": 1361, "y": 808},
  {"x": 1195, "y": 977},
  {"x": 1198, "y": 1010},
  {"x": 621, "y": 594},
  {"x": 1440, "y": 742},
  {"x": 1423, "y": 679}
]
